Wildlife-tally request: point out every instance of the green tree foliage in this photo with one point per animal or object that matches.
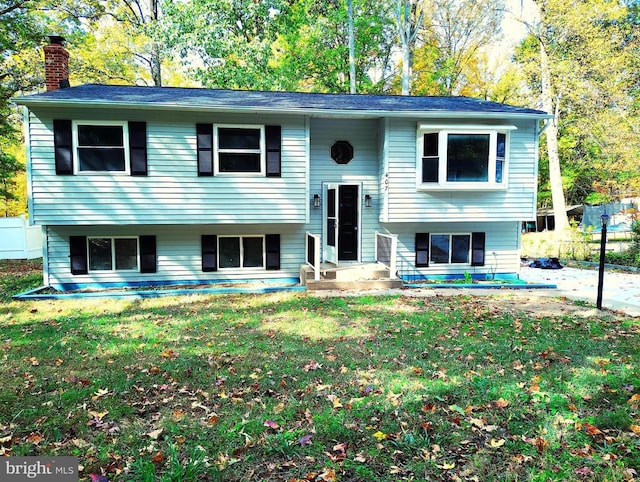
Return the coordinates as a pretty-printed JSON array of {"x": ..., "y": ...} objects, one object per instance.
[
  {"x": 280, "y": 45},
  {"x": 451, "y": 53},
  {"x": 593, "y": 50},
  {"x": 229, "y": 42},
  {"x": 9, "y": 168}
]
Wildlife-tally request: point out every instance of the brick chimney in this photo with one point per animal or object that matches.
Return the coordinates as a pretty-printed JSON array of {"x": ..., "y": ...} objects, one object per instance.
[{"x": 56, "y": 64}]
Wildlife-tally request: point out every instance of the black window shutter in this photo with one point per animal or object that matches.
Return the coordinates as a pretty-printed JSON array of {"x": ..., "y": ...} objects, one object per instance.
[
  {"x": 272, "y": 248},
  {"x": 273, "y": 136},
  {"x": 78, "y": 254},
  {"x": 138, "y": 148},
  {"x": 63, "y": 146},
  {"x": 477, "y": 249},
  {"x": 204, "y": 134},
  {"x": 209, "y": 252},
  {"x": 148, "y": 257},
  {"x": 422, "y": 250}
]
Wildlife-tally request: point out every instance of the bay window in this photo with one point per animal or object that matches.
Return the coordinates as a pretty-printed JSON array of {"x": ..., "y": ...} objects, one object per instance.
[{"x": 462, "y": 158}]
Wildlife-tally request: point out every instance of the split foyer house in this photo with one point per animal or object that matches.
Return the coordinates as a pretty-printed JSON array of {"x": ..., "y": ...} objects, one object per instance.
[{"x": 143, "y": 185}]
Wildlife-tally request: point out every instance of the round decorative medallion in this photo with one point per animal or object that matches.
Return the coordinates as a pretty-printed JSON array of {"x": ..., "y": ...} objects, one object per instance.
[{"x": 342, "y": 152}]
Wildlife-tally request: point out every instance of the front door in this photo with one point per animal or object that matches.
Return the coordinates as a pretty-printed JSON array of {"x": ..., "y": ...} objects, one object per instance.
[{"x": 342, "y": 215}]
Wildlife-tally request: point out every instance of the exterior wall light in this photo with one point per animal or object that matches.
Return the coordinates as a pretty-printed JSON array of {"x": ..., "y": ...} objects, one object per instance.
[
  {"x": 367, "y": 200},
  {"x": 316, "y": 200}
]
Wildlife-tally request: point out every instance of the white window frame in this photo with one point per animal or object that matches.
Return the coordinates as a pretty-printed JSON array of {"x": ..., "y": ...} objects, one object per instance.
[
  {"x": 443, "y": 132},
  {"x": 76, "y": 147},
  {"x": 262, "y": 151},
  {"x": 240, "y": 237},
  {"x": 113, "y": 255},
  {"x": 449, "y": 263}
]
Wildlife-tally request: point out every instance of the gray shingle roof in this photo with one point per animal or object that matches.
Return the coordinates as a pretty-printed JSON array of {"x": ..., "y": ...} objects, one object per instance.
[{"x": 292, "y": 102}]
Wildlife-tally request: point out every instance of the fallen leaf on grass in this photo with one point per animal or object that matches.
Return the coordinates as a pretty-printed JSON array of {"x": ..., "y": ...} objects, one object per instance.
[
  {"x": 35, "y": 438},
  {"x": 100, "y": 393},
  {"x": 329, "y": 475},
  {"x": 592, "y": 430},
  {"x": 501, "y": 403},
  {"x": 335, "y": 400},
  {"x": 633, "y": 428},
  {"x": 380, "y": 436},
  {"x": 158, "y": 457},
  {"x": 154, "y": 434},
  {"x": 478, "y": 422},
  {"x": 98, "y": 415},
  {"x": 584, "y": 471},
  {"x": 178, "y": 415},
  {"x": 169, "y": 354},
  {"x": 456, "y": 408},
  {"x": 360, "y": 457},
  {"x": 305, "y": 439},
  {"x": 428, "y": 408},
  {"x": 496, "y": 443},
  {"x": 271, "y": 424},
  {"x": 312, "y": 366}
]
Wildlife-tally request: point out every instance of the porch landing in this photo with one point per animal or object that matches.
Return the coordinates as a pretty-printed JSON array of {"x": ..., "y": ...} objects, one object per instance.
[{"x": 357, "y": 276}]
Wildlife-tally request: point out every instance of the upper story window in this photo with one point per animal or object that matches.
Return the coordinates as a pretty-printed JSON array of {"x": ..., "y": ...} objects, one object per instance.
[
  {"x": 462, "y": 158},
  {"x": 239, "y": 149},
  {"x": 101, "y": 147}
]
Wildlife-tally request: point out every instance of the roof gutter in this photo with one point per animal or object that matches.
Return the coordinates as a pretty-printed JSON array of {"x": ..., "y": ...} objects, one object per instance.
[{"x": 281, "y": 110}]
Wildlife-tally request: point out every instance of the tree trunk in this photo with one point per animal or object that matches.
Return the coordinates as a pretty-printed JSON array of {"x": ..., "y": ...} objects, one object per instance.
[
  {"x": 555, "y": 175},
  {"x": 404, "y": 31},
  {"x": 156, "y": 65},
  {"x": 352, "y": 49}
]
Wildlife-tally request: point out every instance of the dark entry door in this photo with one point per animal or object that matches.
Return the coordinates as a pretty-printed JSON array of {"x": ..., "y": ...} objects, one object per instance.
[{"x": 348, "y": 197}]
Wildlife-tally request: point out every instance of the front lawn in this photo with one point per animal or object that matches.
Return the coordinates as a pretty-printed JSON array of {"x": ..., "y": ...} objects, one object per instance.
[{"x": 293, "y": 387}]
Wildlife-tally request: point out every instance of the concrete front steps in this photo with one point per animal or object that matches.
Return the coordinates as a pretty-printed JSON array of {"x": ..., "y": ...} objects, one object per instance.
[{"x": 356, "y": 276}]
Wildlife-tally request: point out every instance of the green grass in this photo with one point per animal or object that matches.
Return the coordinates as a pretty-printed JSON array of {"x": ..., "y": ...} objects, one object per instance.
[
  {"x": 17, "y": 276},
  {"x": 292, "y": 387}
]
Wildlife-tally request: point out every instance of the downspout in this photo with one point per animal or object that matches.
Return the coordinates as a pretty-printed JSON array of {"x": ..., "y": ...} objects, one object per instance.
[{"x": 27, "y": 142}]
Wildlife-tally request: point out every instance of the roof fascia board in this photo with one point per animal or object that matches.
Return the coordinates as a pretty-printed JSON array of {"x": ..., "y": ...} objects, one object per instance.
[{"x": 269, "y": 110}]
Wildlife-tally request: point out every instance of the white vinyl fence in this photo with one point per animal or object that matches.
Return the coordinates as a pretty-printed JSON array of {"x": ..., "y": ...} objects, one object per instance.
[{"x": 18, "y": 240}]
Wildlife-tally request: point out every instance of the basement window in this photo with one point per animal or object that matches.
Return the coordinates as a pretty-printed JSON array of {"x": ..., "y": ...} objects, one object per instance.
[{"x": 113, "y": 254}]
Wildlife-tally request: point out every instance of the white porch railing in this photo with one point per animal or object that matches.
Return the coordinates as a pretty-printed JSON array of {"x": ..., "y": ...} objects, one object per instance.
[
  {"x": 313, "y": 254},
  {"x": 386, "y": 248}
]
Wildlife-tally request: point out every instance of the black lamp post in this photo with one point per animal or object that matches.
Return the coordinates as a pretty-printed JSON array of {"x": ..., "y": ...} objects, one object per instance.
[{"x": 603, "y": 243}]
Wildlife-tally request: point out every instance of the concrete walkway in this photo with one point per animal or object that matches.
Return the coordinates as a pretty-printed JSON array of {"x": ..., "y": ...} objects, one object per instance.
[{"x": 621, "y": 291}]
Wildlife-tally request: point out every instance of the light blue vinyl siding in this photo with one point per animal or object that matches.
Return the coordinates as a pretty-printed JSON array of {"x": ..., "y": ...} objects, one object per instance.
[
  {"x": 172, "y": 192},
  {"x": 362, "y": 170},
  {"x": 502, "y": 250},
  {"x": 177, "y": 206},
  {"x": 407, "y": 204},
  {"x": 178, "y": 250}
]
